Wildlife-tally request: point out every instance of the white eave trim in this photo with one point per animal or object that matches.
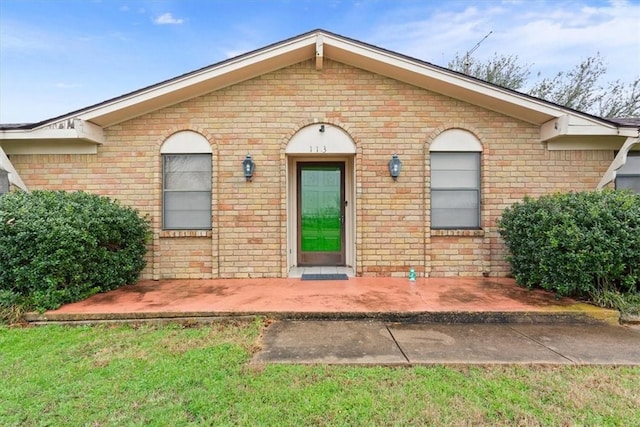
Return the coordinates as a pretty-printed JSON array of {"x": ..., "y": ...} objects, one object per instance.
[
  {"x": 556, "y": 122},
  {"x": 575, "y": 132},
  {"x": 72, "y": 129},
  {"x": 14, "y": 178},
  {"x": 321, "y": 45},
  {"x": 69, "y": 136},
  {"x": 574, "y": 125}
]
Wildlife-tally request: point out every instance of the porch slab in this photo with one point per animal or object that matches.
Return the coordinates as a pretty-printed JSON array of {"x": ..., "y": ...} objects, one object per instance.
[{"x": 449, "y": 300}]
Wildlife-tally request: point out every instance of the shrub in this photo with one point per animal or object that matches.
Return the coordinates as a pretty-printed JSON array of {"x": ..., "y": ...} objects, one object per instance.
[
  {"x": 58, "y": 247},
  {"x": 575, "y": 244}
]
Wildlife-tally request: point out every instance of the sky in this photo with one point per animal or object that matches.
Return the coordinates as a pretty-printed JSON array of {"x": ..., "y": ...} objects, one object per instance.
[{"x": 57, "y": 56}]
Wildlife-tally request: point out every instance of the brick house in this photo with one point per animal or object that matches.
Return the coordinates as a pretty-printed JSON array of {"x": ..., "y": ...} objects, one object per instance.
[{"x": 322, "y": 151}]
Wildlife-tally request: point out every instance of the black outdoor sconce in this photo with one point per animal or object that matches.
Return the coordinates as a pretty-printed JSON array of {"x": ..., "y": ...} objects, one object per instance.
[
  {"x": 394, "y": 167},
  {"x": 248, "y": 166}
]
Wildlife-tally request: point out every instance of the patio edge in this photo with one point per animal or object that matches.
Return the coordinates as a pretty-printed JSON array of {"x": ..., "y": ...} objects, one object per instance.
[{"x": 592, "y": 316}]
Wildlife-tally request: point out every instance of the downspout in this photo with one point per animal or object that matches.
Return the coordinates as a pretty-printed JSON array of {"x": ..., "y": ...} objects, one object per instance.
[
  {"x": 14, "y": 178},
  {"x": 618, "y": 161}
]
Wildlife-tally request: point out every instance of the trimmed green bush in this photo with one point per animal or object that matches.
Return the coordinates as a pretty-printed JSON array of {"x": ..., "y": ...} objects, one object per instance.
[
  {"x": 58, "y": 247},
  {"x": 575, "y": 244}
]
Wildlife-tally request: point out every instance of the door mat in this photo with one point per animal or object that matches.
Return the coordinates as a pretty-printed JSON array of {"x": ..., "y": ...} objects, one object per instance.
[{"x": 325, "y": 277}]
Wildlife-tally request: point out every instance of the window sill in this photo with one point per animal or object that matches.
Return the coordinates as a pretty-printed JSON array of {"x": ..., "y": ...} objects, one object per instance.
[
  {"x": 185, "y": 233},
  {"x": 457, "y": 233}
]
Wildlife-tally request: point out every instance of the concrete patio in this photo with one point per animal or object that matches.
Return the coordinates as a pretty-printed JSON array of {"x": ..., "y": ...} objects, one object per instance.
[{"x": 448, "y": 300}]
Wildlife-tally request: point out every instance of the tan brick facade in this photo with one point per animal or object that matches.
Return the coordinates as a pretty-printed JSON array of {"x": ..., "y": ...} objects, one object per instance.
[{"x": 259, "y": 116}]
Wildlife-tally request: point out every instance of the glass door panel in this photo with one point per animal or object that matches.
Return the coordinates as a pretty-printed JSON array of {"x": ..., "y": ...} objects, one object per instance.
[{"x": 321, "y": 213}]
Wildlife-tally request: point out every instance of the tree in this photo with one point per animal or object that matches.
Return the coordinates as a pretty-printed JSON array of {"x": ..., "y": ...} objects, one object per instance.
[
  {"x": 502, "y": 70},
  {"x": 620, "y": 100},
  {"x": 580, "y": 88}
]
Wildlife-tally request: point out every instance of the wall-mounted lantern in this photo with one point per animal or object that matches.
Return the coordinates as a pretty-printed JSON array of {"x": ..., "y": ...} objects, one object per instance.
[
  {"x": 248, "y": 166},
  {"x": 395, "y": 165}
]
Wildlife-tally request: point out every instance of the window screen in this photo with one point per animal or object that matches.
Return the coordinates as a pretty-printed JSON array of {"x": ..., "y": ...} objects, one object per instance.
[
  {"x": 455, "y": 190},
  {"x": 186, "y": 191}
]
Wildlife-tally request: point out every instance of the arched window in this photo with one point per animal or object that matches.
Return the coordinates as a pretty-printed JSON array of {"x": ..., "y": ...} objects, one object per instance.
[
  {"x": 455, "y": 180},
  {"x": 186, "y": 182}
]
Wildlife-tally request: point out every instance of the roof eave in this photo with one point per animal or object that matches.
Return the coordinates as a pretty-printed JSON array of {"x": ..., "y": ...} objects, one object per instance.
[
  {"x": 351, "y": 52},
  {"x": 202, "y": 81},
  {"x": 73, "y": 136}
]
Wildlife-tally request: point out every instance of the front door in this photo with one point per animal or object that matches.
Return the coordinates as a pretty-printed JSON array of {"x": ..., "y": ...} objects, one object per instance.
[{"x": 321, "y": 214}]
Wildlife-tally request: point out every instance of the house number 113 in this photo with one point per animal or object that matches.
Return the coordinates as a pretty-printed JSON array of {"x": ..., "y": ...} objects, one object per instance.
[{"x": 317, "y": 148}]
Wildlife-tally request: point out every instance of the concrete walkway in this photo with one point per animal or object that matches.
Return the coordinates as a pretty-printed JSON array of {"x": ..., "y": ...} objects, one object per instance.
[
  {"x": 380, "y": 343},
  {"x": 454, "y": 300}
]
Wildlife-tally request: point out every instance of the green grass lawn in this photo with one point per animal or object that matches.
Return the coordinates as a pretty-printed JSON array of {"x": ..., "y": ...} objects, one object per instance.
[{"x": 176, "y": 375}]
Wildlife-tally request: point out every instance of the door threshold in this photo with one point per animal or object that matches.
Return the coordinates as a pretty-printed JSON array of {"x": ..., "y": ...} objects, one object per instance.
[{"x": 297, "y": 272}]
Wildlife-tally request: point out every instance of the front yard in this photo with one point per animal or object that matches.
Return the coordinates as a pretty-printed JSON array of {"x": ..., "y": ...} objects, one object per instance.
[{"x": 201, "y": 375}]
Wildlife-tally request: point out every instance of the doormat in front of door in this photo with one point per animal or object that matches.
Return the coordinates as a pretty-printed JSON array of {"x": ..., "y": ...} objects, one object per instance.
[{"x": 341, "y": 276}]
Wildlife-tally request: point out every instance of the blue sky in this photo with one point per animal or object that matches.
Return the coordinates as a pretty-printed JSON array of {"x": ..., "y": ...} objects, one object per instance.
[{"x": 57, "y": 56}]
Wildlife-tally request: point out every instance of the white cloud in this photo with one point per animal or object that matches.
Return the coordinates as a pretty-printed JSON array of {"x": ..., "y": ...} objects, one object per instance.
[{"x": 168, "y": 19}]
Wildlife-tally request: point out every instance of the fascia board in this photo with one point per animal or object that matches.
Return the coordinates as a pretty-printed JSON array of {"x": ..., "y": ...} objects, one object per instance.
[{"x": 62, "y": 146}]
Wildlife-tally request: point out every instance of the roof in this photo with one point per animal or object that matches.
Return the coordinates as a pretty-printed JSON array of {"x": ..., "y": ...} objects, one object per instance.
[
  {"x": 626, "y": 121},
  {"x": 87, "y": 124}
]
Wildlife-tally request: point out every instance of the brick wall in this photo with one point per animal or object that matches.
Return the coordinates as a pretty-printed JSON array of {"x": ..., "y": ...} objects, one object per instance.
[
  {"x": 383, "y": 116},
  {"x": 184, "y": 257}
]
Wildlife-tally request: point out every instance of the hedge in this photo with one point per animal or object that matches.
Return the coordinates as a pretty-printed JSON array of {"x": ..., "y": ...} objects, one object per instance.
[
  {"x": 58, "y": 247},
  {"x": 575, "y": 244}
]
